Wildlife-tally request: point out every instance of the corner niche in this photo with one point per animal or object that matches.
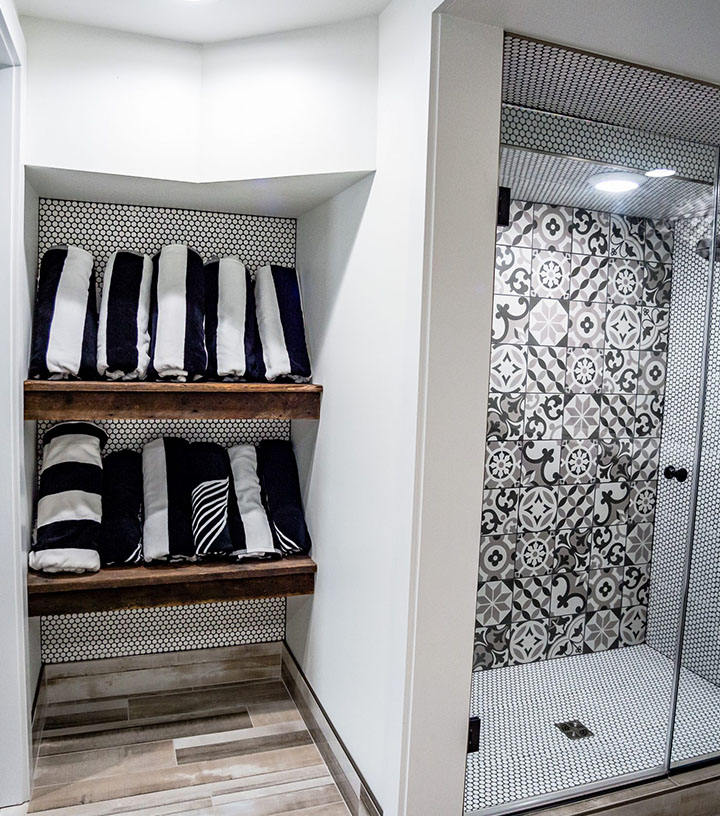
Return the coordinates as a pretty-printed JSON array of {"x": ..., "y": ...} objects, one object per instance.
[{"x": 168, "y": 585}]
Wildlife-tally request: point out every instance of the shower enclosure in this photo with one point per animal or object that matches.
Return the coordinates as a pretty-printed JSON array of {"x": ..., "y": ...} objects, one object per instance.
[{"x": 597, "y": 638}]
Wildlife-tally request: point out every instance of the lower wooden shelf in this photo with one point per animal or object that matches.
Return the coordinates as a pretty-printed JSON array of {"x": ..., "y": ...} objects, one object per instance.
[{"x": 168, "y": 585}]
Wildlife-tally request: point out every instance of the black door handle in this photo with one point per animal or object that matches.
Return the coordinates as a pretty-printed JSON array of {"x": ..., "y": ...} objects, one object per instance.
[{"x": 676, "y": 473}]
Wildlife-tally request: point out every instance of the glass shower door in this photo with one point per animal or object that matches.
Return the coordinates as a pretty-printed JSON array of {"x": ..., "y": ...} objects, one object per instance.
[{"x": 696, "y": 722}]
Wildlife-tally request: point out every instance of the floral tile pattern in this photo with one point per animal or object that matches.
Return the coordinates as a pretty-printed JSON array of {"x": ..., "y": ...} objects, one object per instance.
[{"x": 580, "y": 327}]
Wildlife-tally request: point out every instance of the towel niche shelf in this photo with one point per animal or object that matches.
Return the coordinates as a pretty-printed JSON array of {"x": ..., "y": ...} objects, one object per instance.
[
  {"x": 78, "y": 399},
  {"x": 168, "y": 585}
]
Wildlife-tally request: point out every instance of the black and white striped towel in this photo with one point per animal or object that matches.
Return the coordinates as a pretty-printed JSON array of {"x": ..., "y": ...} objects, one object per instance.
[
  {"x": 123, "y": 343},
  {"x": 122, "y": 496},
  {"x": 280, "y": 484},
  {"x": 210, "y": 484},
  {"x": 167, "y": 530},
  {"x": 231, "y": 336},
  {"x": 64, "y": 340},
  {"x": 250, "y": 529},
  {"x": 281, "y": 324},
  {"x": 69, "y": 507},
  {"x": 177, "y": 306}
]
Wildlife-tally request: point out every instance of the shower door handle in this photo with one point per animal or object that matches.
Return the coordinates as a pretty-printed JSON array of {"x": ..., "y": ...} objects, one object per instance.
[{"x": 675, "y": 473}]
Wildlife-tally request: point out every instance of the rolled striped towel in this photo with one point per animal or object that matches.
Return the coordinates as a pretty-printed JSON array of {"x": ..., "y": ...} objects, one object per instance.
[
  {"x": 122, "y": 495},
  {"x": 250, "y": 530},
  {"x": 281, "y": 324},
  {"x": 69, "y": 509},
  {"x": 210, "y": 478},
  {"x": 64, "y": 342},
  {"x": 280, "y": 484},
  {"x": 167, "y": 529},
  {"x": 177, "y": 307},
  {"x": 231, "y": 335},
  {"x": 123, "y": 343}
]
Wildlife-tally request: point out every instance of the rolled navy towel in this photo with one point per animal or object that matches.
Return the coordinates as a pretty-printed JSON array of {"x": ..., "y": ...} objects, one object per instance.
[
  {"x": 122, "y": 497},
  {"x": 69, "y": 509},
  {"x": 250, "y": 529},
  {"x": 177, "y": 307},
  {"x": 123, "y": 342},
  {"x": 64, "y": 341},
  {"x": 281, "y": 324},
  {"x": 167, "y": 528},
  {"x": 210, "y": 478},
  {"x": 280, "y": 484},
  {"x": 231, "y": 335}
]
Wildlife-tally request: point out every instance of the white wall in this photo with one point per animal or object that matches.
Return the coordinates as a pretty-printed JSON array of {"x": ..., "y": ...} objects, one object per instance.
[
  {"x": 111, "y": 102},
  {"x": 361, "y": 258},
  {"x": 287, "y": 104},
  {"x": 14, "y": 681}
]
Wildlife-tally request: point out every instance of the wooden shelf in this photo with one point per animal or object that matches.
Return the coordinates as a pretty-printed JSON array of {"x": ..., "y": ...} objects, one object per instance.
[
  {"x": 168, "y": 585},
  {"x": 77, "y": 399}
]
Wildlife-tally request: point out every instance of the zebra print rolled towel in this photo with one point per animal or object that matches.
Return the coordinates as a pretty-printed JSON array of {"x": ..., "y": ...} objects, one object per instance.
[
  {"x": 231, "y": 337},
  {"x": 167, "y": 529},
  {"x": 122, "y": 496},
  {"x": 278, "y": 474},
  {"x": 64, "y": 340},
  {"x": 250, "y": 529},
  {"x": 281, "y": 324},
  {"x": 210, "y": 484},
  {"x": 123, "y": 343},
  {"x": 69, "y": 506},
  {"x": 177, "y": 305}
]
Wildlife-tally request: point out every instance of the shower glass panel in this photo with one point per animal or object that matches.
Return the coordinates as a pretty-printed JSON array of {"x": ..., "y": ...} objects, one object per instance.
[
  {"x": 596, "y": 384},
  {"x": 696, "y": 726}
]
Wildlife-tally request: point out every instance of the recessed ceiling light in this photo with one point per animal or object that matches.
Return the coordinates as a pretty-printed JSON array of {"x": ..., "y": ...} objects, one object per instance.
[
  {"x": 616, "y": 182},
  {"x": 660, "y": 172}
]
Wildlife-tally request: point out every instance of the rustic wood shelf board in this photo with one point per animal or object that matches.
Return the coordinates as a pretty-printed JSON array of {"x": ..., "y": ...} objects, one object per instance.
[
  {"x": 76, "y": 399},
  {"x": 168, "y": 585}
]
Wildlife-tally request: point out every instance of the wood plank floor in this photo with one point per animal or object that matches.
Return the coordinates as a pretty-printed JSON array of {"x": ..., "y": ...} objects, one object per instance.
[{"x": 237, "y": 749}]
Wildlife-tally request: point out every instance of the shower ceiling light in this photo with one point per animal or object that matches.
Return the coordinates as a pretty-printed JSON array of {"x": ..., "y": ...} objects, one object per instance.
[
  {"x": 660, "y": 172},
  {"x": 616, "y": 182}
]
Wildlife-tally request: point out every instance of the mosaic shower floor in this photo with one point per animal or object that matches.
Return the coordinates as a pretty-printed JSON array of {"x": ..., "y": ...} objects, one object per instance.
[{"x": 623, "y": 696}]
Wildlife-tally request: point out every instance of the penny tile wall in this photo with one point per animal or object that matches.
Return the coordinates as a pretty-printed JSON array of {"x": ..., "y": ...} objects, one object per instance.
[{"x": 580, "y": 325}]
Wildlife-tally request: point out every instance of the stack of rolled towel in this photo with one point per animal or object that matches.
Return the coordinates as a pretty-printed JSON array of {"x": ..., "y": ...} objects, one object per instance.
[
  {"x": 167, "y": 317},
  {"x": 177, "y": 501}
]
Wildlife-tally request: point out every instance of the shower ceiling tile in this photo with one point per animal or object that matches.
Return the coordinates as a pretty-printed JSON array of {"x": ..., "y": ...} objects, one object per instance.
[
  {"x": 551, "y": 78},
  {"x": 546, "y": 177}
]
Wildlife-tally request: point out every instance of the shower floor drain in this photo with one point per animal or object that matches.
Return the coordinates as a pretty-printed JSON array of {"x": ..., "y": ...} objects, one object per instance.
[{"x": 574, "y": 729}]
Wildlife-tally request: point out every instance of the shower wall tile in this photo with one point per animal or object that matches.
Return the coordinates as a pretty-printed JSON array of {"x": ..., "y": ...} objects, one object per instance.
[{"x": 580, "y": 325}]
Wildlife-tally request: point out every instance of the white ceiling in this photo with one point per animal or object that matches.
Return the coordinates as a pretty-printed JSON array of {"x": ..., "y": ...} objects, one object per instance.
[{"x": 202, "y": 21}]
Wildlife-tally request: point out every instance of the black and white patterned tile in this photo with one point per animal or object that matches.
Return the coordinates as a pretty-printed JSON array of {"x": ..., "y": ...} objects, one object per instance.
[{"x": 574, "y": 421}]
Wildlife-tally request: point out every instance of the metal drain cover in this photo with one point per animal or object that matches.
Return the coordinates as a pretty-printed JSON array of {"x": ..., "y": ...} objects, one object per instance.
[{"x": 574, "y": 729}]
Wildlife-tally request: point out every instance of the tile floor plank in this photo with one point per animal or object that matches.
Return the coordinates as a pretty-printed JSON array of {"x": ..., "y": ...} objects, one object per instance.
[
  {"x": 106, "y": 762},
  {"x": 220, "y": 749},
  {"x": 273, "y": 804},
  {"x": 150, "y": 781},
  {"x": 209, "y": 727}
]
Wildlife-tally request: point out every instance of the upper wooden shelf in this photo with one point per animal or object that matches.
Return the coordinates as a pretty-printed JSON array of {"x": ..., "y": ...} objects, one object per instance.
[
  {"x": 168, "y": 585},
  {"x": 78, "y": 399}
]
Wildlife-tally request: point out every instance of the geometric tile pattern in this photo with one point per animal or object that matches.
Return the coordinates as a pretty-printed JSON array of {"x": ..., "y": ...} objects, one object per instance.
[
  {"x": 118, "y": 633},
  {"x": 551, "y": 78},
  {"x": 673, "y": 515},
  {"x": 257, "y": 240},
  {"x": 623, "y": 696},
  {"x": 579, "y": 349}
]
